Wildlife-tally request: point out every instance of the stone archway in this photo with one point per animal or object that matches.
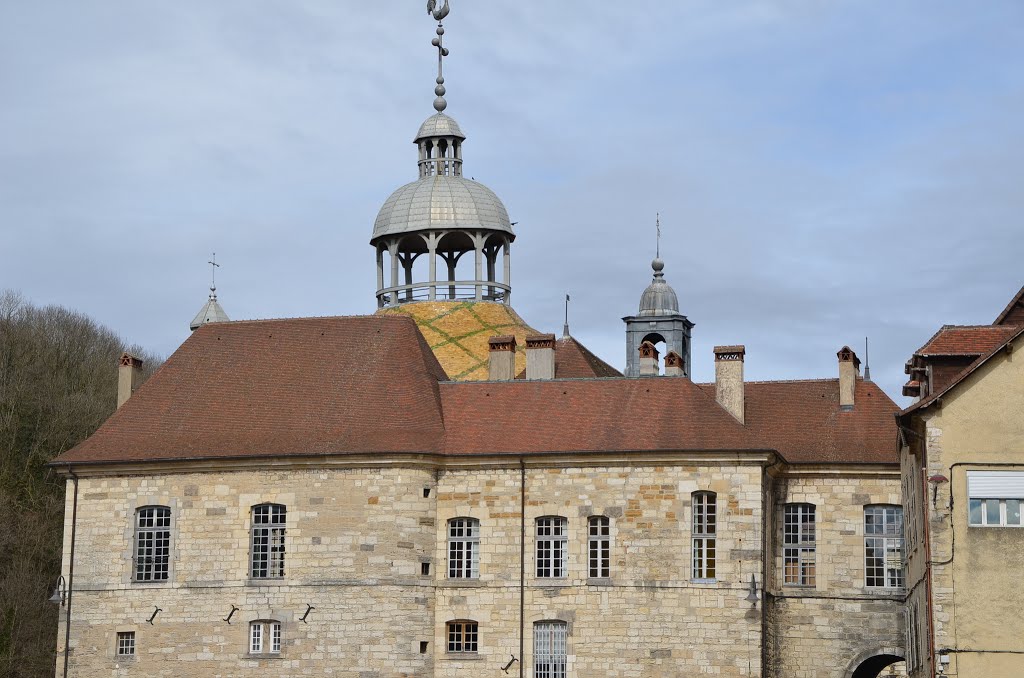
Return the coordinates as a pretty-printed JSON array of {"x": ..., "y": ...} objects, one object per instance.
[{"x": 871, "y": 663}]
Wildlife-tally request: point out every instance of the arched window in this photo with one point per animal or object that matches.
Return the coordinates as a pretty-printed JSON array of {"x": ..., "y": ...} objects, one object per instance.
[
  {"x": 705, "y": 526},
  {"x": 463, "y": 636},
  {"x": 549, "y": 649},
  {"x": 267, "y": 541},
  {"x": 552, "y": 538},
  {"x": 883, "y": 546},
  {"x": 600, "y": 543},
  {"x": 463, "y": 548},
  {"x": 798, "y": 544},
  {"x": 265, "y": 636},
  {"x": 152, "y": 543}
]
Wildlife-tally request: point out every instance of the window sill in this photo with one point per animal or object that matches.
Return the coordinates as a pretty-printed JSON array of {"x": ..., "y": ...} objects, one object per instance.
[
  {"x": 151, "y": 582},
  {"x": 703, "y": 581},
  {"x": 552, "y": 583},
  {"x": 462, "y": 583},
  {"x": 600, "y": 581},
  {"x": 463, "y": 656},
  {"x": 276, "y": 581},
  {"x": 264, "y": 656}
]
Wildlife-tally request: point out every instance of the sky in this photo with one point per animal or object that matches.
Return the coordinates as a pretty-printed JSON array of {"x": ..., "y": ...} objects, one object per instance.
[{"x": 825, "y": 171}]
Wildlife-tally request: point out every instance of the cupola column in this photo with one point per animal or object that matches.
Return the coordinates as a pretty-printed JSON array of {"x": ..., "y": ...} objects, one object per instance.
[
  {"x": 478, "y": 251},
  {"x": 432, "y": 253}
]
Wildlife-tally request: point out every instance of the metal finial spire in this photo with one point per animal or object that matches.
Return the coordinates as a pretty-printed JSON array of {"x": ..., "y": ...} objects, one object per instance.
[
  {"x": 565, "y": 328},
  {"x": 213, "y": 275},
  {"x": 657, "y": 225},
  {"x": 867, "y": 361},
  {"x": 439, "y": 13}
]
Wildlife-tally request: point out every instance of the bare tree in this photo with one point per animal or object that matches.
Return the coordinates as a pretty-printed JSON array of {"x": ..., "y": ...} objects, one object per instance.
[{"x": 58, "y": 383}]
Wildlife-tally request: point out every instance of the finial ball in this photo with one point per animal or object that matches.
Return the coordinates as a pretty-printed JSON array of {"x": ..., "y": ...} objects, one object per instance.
[
  {"x": 440, "y": 104},
  {"x": 658, "y": 265},
  {"x": 444, "y": 51},
  {"x": 440, "y": 30},
  {"x": 439, "y": 90},
  {"x": 440, "y": 80},
  {"x": 435, "y": 42}
]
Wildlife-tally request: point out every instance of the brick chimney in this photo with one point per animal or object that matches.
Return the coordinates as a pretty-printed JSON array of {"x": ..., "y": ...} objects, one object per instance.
[
  {"x": 673, "y": 364},
  {"x": 729, "y": 379},
  {"x": 503, "y": 358},
  {"x": 648, "y": 360},
  {"x": 849, "y": 370},
  {"x": 129, "y": 375},
  {"x": 540, "y": 356}
]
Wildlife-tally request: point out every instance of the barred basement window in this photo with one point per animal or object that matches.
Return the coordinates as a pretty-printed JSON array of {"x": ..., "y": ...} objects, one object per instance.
[
  {"x": 705, "y": 524},
  {"x": 463, "y": 548},
  {"x": 883, "y": 546},
  {"x": 462, "y": 636},
  {"x": 600, "y": 544},
  {"x": 798, "y": 557},
  {"x": 265, "y": 637},
  {"x": 152, "y": 543},
  {"x": 551, "y": 547},
  {"x": 267, "y": 543},
  {"x": 126, "y": 643},
  {"x": 549, "y": 650}
]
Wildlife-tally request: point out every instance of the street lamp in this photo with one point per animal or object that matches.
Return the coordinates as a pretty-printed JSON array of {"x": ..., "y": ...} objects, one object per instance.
[
  {"x": 752, "y": 596},
  {"x": 60, "y": 593}
]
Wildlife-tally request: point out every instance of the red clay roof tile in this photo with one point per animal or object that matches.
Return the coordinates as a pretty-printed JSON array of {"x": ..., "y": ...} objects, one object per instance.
[{"x": 965, "y": 340}]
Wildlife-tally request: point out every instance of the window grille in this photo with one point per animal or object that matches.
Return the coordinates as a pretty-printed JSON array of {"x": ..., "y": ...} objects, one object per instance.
[
  {"x": 462, "y": 636},
  {"x": 268, "y": 528},
  {"x": 463, "y": 548},
  {"x": 152, "y": 543},
  {"x": 600, "y": 544},
  {"x": 705, "y": 525},
  {"x": 798, "y": 552},
  {"x": 883, "y": 546},
  {"x": 126, "y": 643},
  {"x": 549, "y": 650},
  {"x": 551, "y": 547}
]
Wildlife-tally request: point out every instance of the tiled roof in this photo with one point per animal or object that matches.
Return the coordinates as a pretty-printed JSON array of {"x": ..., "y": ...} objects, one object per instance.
[
  {"x": 573, "y": 360},
  {"x": 965, "y": 340},
  {"x": 332, "y": 386},
  {"x": 281, "y": 387},
  {"x": 1013, "y": 314}
]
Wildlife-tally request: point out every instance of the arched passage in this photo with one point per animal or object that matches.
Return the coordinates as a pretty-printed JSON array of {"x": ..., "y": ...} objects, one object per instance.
[{"x": 875, "y": 664}]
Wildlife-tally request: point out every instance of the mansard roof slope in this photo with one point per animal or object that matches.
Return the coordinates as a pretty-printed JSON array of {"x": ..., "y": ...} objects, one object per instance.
[{"x": 280, "y": 388}]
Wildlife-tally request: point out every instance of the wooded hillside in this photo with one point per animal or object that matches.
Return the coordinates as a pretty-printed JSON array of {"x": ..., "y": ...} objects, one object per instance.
[{"x": 58, "y": 383}]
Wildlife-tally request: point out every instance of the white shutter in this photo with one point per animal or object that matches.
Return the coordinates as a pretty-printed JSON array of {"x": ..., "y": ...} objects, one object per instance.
[{"x": 995, "y": 484}]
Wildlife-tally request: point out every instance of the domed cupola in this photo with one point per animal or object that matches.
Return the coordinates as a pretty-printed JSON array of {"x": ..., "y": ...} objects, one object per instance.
[
  {"x": 658, "y": 321},
  {"x": 442, "y": 216}
]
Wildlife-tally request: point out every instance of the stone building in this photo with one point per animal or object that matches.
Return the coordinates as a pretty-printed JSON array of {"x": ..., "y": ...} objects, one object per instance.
[
  {"x": 439, "y": 490},
  {"x": 963, "y": 484}
]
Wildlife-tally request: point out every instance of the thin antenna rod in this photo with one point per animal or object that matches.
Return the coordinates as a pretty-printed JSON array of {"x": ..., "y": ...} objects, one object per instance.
[
  {"x": 867, "y": 361},
  {"x": 565, "y": 328},
  {"x": 657, "y": 224}
]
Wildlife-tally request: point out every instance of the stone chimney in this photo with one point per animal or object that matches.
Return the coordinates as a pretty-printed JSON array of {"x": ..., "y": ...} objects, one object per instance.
[
  {"x": 129, "y": 376},
  {"x": 503, "y": 358},
  {"x": 540, "y": 356},
  {"x": 849, "y": 370},
  {"x": 729, "y": 379},
  {"x": 673, "y": 364},
  {"x": 648, "y": 360}
]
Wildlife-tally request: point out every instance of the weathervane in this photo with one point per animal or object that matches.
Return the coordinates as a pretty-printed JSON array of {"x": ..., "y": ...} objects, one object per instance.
[
  {"x": 213, "y": 275},
  {"x": 439, "y": 14}
]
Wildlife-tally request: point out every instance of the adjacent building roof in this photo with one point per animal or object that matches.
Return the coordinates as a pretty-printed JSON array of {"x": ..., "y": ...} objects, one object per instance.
[
  {"x": 371, "y": 384},
  {"x": 573, "y": 360},
  {"x": 1013, "y": 314},
  {"x": 960, "y": 340}
]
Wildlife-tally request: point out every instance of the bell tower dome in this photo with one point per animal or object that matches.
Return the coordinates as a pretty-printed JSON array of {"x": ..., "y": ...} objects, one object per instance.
[
  {"x": 442, "y": 216},
  {"x": 658, "y": 320}
]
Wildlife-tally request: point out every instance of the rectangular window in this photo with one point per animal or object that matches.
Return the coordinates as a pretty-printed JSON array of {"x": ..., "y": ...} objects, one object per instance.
[
  {"x": 256, "y": 637},
  {"x": 995, "y": 498},
  {"x": 552, "y": 540},
  {"x": 463, "y": 548},
  {"x": 883, "y": 546},
  {"x": 704, "y": 530},
  {"x": 798, "y": 557},
  {"x": 268, "y": 528},
  {"x": 600, "y": 545},
  {"x": 152, "y": 543},
  {"x": 125, "y": 643},
  {"x": 462, "y": 636},
  {"x": 265, "y": 637},
  {"x": 549, "y": 650}
]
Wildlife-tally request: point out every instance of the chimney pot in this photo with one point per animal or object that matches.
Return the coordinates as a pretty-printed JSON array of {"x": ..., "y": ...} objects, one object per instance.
[
  {"x": 729, "y": 389},
  {"x": 849, "y": 370},
  {"x": 540, "y": 356},
  {"x": 648, "y": 359},
  {"x": 502, "y": 366},
  {"x": 674, "y": 365},
  {"x": 129, "y": 376}
]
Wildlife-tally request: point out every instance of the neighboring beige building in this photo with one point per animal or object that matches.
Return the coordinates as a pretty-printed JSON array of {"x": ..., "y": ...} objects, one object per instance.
[{"x": 963, "y": 483}]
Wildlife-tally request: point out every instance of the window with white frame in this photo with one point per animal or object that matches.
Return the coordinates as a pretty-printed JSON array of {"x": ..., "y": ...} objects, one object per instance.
[
  {"x": 705, "y": 522},
  {"x": 267, "y": 543},
  {"x": 798, "y": 545},
  {"x": 995, "y": 498},
  {"x": 152, "y": 543},
  {"x": 913, "y": 653},
  {"x": 599, "y": 546},
  {"x": 126, "y": 643},
  {"x": 463, "y": 548},
  {"x": 462, "y": 636},
  {"x": 552, "y": 539},
  {"x": 883, "y": 546},
  {"x": 549, "y": 650},
  {"x": 265, "y": 637}
]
